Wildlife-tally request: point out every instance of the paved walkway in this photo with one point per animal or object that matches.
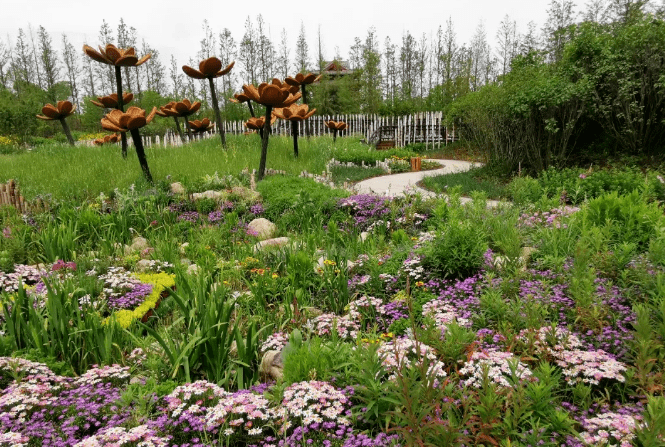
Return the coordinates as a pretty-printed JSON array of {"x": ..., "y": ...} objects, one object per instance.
[{"x": 406, "y": 183}]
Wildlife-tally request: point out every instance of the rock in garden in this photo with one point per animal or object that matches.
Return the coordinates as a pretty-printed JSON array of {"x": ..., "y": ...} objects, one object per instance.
[
  {"x": 139, "y": 244},
  {"x": 263, "y": 228},
  {"x": 143, "y": 265},
  {"x": 246, "y": 194},
  {"x": 177, "y": 188},
  {"x": 272, "y": 365},
  {"x": 276, "y": 242}
]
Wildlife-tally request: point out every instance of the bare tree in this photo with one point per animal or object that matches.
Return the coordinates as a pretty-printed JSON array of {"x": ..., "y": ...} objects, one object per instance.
[
  {"x": 266, "y": 51},
  {"x": 72, "y": 69},
  {"x": 22, "y": 62},
  {"x": 390, "y": 87},
  {"x": 627, "y": 10},
  {"x": 175, "y": 73},
  {"x": 4, "y": 60},
  {"x": 507, "y": 37},
  {"x": 283, "y": 55},
  {"x": 248, "y": 53},
  {"x": 154, "y": 70},
  {"x": 560, "y": 16},
  {"x": 407, "y": 57},
  {"x": 481, "y": 54},
  {"x": 596, "y": 11},
  {"x": 531, "y": 40},
  {"x": 321, "y": 61},
  {"x": 227, "y": 54},
  {"x": 35, "y": 59},
  {"x": 105, "y": 72},
  {"x": 49, "y": 60},
  {"x": 302, "y": 51}
]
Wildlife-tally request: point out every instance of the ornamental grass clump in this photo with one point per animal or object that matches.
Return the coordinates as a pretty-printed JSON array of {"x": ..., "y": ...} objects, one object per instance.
[
  {"x": 59, "y": 112},
  {"x": 117, "y": 57},
  {"x": 210, "y": 69}
]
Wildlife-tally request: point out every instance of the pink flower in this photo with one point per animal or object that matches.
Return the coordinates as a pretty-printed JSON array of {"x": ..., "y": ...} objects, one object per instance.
[{"x": 582, "y": 176}]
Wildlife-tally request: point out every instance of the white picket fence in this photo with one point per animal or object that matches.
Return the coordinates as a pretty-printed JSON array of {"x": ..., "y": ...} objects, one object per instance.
[{"x": 426, "y": 127}]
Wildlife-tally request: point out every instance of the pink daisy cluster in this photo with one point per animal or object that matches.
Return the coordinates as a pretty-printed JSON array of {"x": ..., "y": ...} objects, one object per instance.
[
  {"x": 122, "y": 437},
  {"x": 499, "y": 366},
  {"x": 405, "y": 353},
  {"x": 610, "y": 429},
  {"x": 314, "y": 402}
]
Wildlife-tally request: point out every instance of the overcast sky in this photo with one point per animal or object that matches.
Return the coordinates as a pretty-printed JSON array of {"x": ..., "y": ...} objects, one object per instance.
[{"x": 177, "y": 27}]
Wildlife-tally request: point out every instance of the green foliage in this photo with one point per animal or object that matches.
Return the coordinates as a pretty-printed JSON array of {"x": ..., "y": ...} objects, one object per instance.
[
  {"x": 457, "y": 251},
  {"x": 295, "y": 201},
  {"x": 468, "y": 181},
  {"x": 628, "y": 217},
  {"x": 314, "y": 359}
]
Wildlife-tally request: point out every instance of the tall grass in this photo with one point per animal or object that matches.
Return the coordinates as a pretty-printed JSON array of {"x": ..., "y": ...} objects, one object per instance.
[{"x": 83, "y": 172}]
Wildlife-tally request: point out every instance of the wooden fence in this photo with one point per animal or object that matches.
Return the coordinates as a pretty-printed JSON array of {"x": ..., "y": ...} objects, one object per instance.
[
  {"x": 427, "y": 128},
  {"x": 10, "y": 196}
]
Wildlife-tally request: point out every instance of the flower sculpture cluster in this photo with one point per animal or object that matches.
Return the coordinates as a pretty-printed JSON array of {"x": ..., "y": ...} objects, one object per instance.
[
  {"x": 117, "y": 57},
  {"x": 275, "y": 95},
  {"x": 210, "y": 69},
  {"x": 296, "y": 113},
  {"x": 111, "y": 101},
  {"x": 336, "y": 126},
  {"x": 59, "y": 112},
  {"x": 113, "y": 138},
  {"x": 181, "y": 109}
]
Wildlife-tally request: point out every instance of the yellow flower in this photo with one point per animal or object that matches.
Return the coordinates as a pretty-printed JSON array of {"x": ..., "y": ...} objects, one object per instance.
[
  {"x": 420, "y": 284},
  {"x": 275, "y": 275},
  {"x": 329, "y": 262}
]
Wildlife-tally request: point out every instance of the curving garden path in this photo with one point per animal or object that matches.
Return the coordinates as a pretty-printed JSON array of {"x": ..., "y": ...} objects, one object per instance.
[{"x": 395, "y": 185}]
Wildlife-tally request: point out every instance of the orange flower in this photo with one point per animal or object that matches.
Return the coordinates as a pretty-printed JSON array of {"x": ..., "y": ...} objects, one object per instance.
[
  {"x": 118, "y": 57},
  {"x": 133, "y": 118},
  {"x": 201, "y": 126},
  {"x": 295, "y": 112},
  {"x": 301, "y": 79},
  {"x": 62, "y": 110},
  {"x": 113, "y": 138},
  {"x": 111, "y": 101},
  {"x": 167, "y": 110},
  {"x": 341, "y": 125},
  {"x": 208, "y": 68},
  {"x": 272, "y": 95}
]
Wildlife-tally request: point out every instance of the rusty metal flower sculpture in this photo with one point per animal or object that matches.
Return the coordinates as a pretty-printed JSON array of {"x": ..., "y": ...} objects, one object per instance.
[
  {"x": 239, "y": 98},
  {"x": 302, "y": 80},
  {"x": 113, "y": 138},
  {"x": 201, "y": 126},
  {"x": 295, "y": 113},
  {"x": 258, "y": 123},
  {"x": 336, "y": 126},
  {"x": 59, "y": 112},
  {"x": 210, "y": 69},
  {"x": 111, "y": 101},
  {"x": 131, "y": 121},
  {"x": 169, "y": 110},
  {"x": 117, "y": 57},
  {"x": 273, "y": 95}
]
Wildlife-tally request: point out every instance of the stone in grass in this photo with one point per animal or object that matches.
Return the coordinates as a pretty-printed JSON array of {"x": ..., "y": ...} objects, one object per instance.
[
  {"x": 271, "y": 243},
  {"x": 143, "y": 265},
  {"x": 177, "y": 188},
  {"x": 272, "y": 365},
  {"x": 246, "y": 194},
  {"x": 139, "y": 244},
  {"x": 263, "y": 228}
]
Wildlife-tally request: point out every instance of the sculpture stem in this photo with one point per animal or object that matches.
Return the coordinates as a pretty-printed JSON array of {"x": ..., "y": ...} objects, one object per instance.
[
  {"x": 118, "y": 85},
  {"x": 189, "y": 128},
  {"x": 294, "y": 131},
  {"x": 334, "y": 135},
  {"x": 65, "y": 128},
  {"x": 178, "y": 129},
  {"x": 304, "y": 101},
  {"x": 138, "y": 144},
  {"x": 218, "y": 116},
  {"x": 264, "y": 143}
]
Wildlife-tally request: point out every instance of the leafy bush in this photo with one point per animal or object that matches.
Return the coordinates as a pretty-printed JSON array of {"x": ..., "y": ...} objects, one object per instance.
[
  {"x": 360, "y": 155},
  {"x": 457, "y": 251},
  {"x": 523, "y": 190},
  {"x": 294, "y": 201}
]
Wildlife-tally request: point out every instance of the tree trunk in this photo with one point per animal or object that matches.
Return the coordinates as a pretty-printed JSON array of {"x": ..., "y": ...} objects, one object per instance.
[
  {"x": 308, "y": 130},
  {"x": 118, "y": 84},
  {"x": 294, "y": 131},
  {"x": 218, "y": 116},
  {"x": 65, "y": 128},
  {"x": 264, "y": 143},
  {"x": 138, "y": 144}
]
